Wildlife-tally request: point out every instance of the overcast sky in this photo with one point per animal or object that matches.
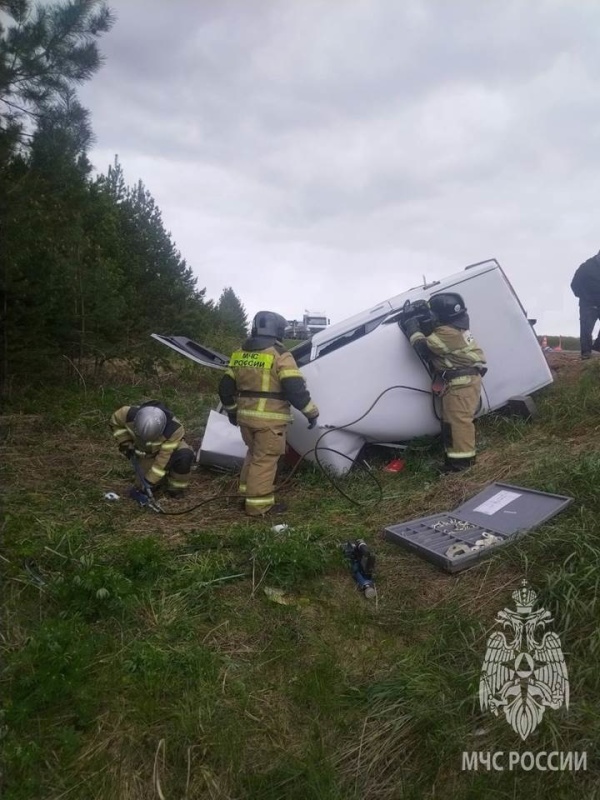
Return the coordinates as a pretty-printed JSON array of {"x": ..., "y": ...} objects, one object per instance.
[{"x": 325, "y": 154}]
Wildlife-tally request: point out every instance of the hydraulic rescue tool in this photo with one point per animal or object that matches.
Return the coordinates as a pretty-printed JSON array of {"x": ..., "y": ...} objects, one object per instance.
[
  {"x": 145, "y": 497},
  {"x": 362, "y": 564}
]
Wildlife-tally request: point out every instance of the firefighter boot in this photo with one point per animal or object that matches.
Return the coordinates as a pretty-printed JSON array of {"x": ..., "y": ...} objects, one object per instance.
[
  {"x": 457, "y": 464},
  {"x": 278, "y": 508}
]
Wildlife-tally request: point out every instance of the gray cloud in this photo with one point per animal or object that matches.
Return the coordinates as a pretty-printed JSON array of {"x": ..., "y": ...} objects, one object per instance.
[{"x": 325, "y": 154}]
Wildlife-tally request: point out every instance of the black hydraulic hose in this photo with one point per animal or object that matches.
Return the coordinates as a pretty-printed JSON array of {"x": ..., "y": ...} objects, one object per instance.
[
  {"x": 201, "y": 503},
  {"x": 316, "y": 449},
  {"x": 349, "y": 424}
]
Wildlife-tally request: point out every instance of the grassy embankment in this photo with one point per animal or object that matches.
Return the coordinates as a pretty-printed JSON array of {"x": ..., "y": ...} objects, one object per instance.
[{"x": 142, "y": 657}]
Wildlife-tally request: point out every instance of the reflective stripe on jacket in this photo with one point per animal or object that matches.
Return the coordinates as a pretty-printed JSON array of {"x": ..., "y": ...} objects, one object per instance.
[
  {"x": 261, "y": 384},
  {"x": 452, "y": 348}
]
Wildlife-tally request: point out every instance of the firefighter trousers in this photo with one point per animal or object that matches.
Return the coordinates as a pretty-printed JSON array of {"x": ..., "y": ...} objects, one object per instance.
[
  {"x": 459, "y": 406},
  {"x": 257, "y": 479},
  {"x": 178, "y": 469}
]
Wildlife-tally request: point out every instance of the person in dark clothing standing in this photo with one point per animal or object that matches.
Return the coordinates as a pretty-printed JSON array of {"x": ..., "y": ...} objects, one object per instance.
[{"x": 586, "y": 287}]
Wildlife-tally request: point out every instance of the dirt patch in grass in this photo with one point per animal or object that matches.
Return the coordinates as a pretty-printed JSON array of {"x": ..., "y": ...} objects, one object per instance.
[{"x": 568, "y": 366}]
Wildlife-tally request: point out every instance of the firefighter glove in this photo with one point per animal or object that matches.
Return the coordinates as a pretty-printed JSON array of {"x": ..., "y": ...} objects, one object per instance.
[
  {"x": 127, "y": 449},
  {"x": 232, "y": 417},
  {"x": 410, "y": 326},
  {"x": 312, "y": 422}
]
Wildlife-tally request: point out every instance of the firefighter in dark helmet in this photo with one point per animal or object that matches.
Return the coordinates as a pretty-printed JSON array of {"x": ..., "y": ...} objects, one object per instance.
[
  {"x": 441, "y": 336},
  {"x": 260, "y": 384},
  {"x": 151, "y": 433}
]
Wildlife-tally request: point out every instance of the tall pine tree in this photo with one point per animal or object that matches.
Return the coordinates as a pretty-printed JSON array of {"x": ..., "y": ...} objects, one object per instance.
[
  {"x": 88, "y": 269},
  {"x": 232, "y": 313},
  {"x": 159, "y": 288},
  {"x": 44, "y": 132},
  {"x": 44, "y": 53}
]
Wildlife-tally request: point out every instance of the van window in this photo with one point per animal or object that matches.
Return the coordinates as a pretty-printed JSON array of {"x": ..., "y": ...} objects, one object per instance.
[
  {"x": 301, "y": 353},
  {"x": 350, "y": 336}
]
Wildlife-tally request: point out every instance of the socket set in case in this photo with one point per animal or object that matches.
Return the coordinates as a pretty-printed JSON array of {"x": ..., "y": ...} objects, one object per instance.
[{"x": 497, "y": 515}]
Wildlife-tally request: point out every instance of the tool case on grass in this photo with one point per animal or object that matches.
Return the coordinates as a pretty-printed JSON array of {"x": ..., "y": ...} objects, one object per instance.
[{"x": 499, "y": 514}]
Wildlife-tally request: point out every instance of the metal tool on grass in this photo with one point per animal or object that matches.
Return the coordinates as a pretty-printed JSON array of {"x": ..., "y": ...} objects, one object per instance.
[
  {"x": 144, "y": 498},
  {"x": 362, "y": 563}
]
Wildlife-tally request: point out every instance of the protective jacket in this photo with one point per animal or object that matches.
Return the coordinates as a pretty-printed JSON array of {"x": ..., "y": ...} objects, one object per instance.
[
  {"x": 158, "y": 453},
  {"x": 261, "y": 382},
  {"x": 452, "y": 352},
  {"x": 457, "y": 359},
  {"x": 586, "y": 280}
]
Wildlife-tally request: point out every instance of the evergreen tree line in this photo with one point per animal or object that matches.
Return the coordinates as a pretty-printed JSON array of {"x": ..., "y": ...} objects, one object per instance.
[{"x": 87, "y": 268}]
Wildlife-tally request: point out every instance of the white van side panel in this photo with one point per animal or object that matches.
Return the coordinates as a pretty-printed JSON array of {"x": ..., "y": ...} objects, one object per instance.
[{"x": 346, "y": 382}]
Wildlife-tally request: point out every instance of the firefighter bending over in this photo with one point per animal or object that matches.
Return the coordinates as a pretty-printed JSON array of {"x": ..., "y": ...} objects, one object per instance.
[
  {"x": 153, "y": 435},
  {"x": 441, "y": 336},
  {"x": 261, "y": 382}
]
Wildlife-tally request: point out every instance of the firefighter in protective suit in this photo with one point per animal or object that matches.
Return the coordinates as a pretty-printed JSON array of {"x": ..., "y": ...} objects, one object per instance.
[
  {"x": 441, "y": 336},
  {"x": 260, "y": 384},
  {"x": 151, "y": 433}
]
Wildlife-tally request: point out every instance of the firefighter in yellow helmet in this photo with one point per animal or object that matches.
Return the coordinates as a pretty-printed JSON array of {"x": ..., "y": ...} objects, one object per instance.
[
  {"x": 440, "y": 334},
  {"x": 260, "y": 384},
  {"x": 153, "y": 435}
]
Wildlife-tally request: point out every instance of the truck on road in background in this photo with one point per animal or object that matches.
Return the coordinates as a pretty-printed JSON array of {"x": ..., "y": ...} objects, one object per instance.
[{"x": 312, "y": 322}]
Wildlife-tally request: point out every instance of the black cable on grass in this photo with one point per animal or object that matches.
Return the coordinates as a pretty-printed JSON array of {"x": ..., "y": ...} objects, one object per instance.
[
  {"x": 198, "y": 505},
  {"x": 316, "y": 449},
  {"x": 327, "y": 474},
  {"x": 349, "y": 424}
]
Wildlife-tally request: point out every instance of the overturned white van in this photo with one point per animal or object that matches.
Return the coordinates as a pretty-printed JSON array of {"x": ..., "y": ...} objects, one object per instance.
[{"x": 370, "y": 385}]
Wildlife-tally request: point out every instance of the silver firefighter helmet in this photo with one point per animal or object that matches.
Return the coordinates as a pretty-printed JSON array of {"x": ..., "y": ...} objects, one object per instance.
[{"x": 149, "y": 423}]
